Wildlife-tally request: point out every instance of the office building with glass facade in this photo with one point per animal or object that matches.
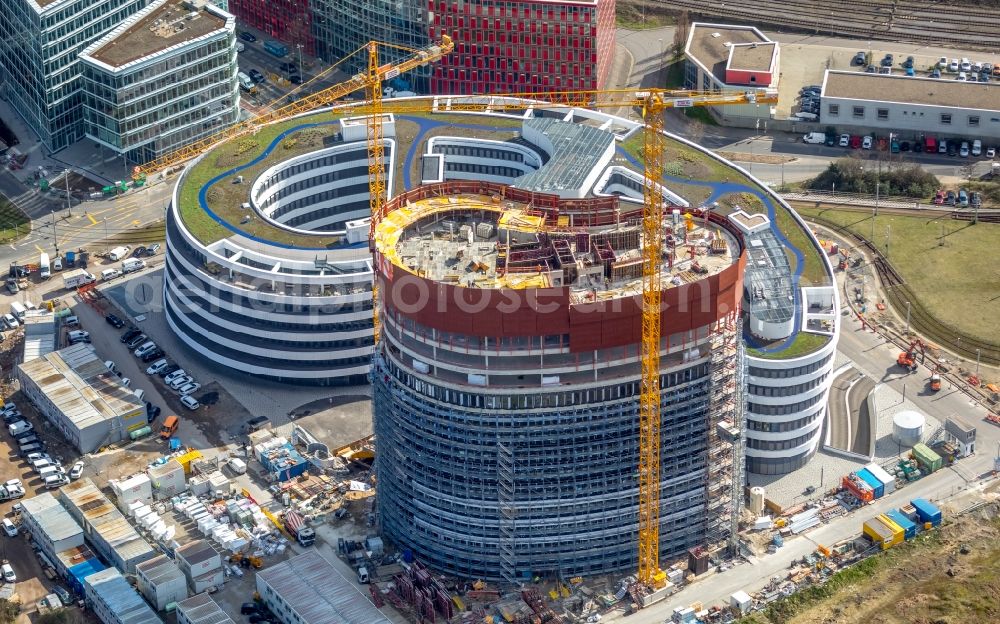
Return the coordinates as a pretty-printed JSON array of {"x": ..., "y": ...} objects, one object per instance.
[{"x": 163, "y": 78}]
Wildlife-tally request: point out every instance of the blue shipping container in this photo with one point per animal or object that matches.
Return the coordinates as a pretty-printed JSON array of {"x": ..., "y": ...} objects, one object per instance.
[
  {"x": 870, "y": 479},
  {"x": 927, "y": 511},
  {"x": 909, "y": 529},
  {"x": 275, "y": 48}
]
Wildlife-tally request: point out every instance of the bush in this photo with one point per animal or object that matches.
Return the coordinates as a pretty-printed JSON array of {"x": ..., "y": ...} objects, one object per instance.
[{"x": 852, "y": 175}]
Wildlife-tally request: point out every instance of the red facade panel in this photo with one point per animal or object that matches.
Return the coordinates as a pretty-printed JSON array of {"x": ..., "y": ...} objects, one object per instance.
[{"x": 288, "y": 21}]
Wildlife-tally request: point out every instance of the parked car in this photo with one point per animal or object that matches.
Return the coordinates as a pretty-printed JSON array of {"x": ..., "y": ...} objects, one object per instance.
[
  {"x": 963, "y": 198},
  {"x": 10, "y": 321},
  {"x": 172, "y": 368},
  {"x": 950, "y": 198},
  {"x": 126, "y": 382},
  {"x": 871, "y": 69},
  {"x": 78, "y": 336},
  {"x": 965, "y": 65},
  {"x": 139, "y": 252},
  {"x": 189, "y": 388},
  {"x": 904, "y": 146},
  {"x": 156, "y": 366},
  {"x": 76, "y": 471},
  {"x": 8, "y": 573},
  {"x": 936, "y": 73},
  {"x": 174, "y": 375},
  {"x": 952, "y": 148},
  {"x": 943, "y": 62},
  {"x": 938, "y": 197},
  {"x": 908, "y": 63},
  {"x": 867, "y": 142},
  {"x": 287, "y": 67},
  {"x": 975, "y": 199},
  {"x": 249, "y": 37},
  {"x": 190, "y": 402},
  {"x": 855, "y": 142},
  {"x": 152, "y": 249},
  {"x": 295, "y": 79},
  {"x": 136, "y": 340},
  {"x": 887, "y": 60},
  {"x": 9, "y": 528},
  {"x": 129, "y": 335},
  {"x": 845, "y": 140},
  {"x": 71, "y": 321},
  {"x": 180, "y": 381},
  {"x": 991, "y": 152},
  {"x": 256, "y": 76},
  {"x": 859, "y": 59},
  {"x": 953, "y": 65},
  {"x": 114, "y": 321}
]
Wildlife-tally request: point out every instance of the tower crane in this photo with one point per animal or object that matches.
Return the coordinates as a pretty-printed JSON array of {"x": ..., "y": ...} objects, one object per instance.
[{"x": 650, "y": 102}]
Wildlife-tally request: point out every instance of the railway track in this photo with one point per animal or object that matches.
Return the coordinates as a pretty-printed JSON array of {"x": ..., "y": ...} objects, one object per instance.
[
  {"x": 898, "y": 294},
  {"x": 920, "y": 22}
]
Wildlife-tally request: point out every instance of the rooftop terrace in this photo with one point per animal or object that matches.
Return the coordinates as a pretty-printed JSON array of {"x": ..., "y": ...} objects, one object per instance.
[{"x": 478, "y": 241}]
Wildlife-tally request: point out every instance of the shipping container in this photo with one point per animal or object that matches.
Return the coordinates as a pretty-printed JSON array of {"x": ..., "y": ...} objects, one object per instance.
[
  {"x": 861, "y": 490},
  {"x": 887, "y": 480},
  {"x": 927, "y": 511},
  {"x": 909, "y": 529},
  {"x": 879, "y": 533},
  {"x": 929, "y": 460},
  {"x": 898, "y": 535},
  {"x": 874, "y": 483}
]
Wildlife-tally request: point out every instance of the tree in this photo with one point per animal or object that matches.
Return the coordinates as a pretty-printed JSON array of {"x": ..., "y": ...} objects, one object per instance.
[
  {"x": 8, "y": 611},
  {"x": 681, "y": 31}
]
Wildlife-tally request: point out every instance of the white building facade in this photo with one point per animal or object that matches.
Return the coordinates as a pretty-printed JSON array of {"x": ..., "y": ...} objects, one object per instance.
[{"x": 176, "y": 83}]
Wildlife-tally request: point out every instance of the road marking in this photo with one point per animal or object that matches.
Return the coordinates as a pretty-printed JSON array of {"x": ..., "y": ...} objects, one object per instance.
[
  {"x": 136, "y": 222},
  {"x": 93, "y": 221},
  {"x": 40, "y": 250}
]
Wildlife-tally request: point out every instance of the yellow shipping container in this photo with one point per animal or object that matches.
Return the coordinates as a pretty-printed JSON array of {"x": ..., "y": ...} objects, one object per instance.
[
  {"x": 879, "y": 533},
  {"x": 898, "y": 534},
  {"x": 186, "y": 459}
]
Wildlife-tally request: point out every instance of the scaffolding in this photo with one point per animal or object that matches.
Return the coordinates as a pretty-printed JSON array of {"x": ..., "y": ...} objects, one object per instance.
[
  {"x": 725, "y": 432},
  {"x": 508, "y": 511}
]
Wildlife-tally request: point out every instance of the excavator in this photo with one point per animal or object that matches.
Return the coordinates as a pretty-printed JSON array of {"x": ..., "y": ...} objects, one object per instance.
[{"x": 908, "y": 359}]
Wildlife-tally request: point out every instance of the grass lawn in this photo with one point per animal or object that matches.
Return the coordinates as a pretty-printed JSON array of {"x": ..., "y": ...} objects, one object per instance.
[
  {"x": 635, "y": 16},
  {"x": 958, "y": 281},
  {"x": 700, "y": 113},
  {"x": 803, "y": 344},
  {"x": 13, "y": 222},
  {"x": 225, "y": 198}
]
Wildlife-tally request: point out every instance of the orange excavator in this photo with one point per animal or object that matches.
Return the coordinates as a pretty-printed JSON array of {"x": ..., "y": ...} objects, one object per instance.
[{"x": 908, "y": 358}]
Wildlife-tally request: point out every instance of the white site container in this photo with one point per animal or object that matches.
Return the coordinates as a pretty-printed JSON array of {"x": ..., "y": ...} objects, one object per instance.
[
  {"x": 167, "y": 479},
  {"x": 132, "y": 489}
]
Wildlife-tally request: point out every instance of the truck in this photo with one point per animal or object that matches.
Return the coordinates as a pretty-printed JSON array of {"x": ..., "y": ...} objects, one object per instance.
[
  {"x": 132, "y": 264},
  {"x": 44, "y": 268},
  {"x": 295, "y": 524},
  {"x": 275, "y": 48},
  {"x": 77, "y": 278},
  {"x": 70, "y": 259},
  {"x": 119, "y": 253}
]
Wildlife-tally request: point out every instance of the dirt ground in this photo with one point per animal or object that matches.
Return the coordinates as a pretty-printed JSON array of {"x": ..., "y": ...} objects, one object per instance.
[{"x": 950, "y": 576}]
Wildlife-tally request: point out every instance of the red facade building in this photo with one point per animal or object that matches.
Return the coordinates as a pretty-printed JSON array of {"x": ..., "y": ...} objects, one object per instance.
[
  {"x": 288, "y": 21},
  {"x": 506, "y": 46}
]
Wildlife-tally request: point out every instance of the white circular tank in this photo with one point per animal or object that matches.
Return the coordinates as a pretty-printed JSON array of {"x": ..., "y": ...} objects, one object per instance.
[
  {"x": 757, "y": 501},
  {"x": 907, "y": 427}
]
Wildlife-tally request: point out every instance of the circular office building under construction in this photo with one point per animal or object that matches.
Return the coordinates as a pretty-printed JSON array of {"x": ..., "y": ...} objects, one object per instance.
[{"x": 507, "y": 383}]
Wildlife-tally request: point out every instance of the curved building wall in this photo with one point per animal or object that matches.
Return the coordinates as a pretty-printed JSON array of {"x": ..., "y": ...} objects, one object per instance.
[{"x": 267, "y": 310}]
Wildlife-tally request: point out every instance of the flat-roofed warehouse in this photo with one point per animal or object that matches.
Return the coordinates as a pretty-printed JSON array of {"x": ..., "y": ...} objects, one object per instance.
[
  {"x": 308, "y": 589},
  {"x": 201, "y": 609},
  {"x": 912, "y": 105},
  {"x": 115, "y": 601},
  {"x": 85, "y": 401}
]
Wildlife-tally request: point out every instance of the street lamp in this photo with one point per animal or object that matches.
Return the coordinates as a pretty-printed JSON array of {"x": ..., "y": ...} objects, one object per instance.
[
  {"x": 907, "y": 318},
  {"x": 299, "y": 46}
]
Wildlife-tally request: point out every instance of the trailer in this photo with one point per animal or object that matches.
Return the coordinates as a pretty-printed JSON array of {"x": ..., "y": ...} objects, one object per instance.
[
  {"x": 887, "y": 480},
  {"x": 874, "y": 483},
  {"x": 295, "y": 524}
]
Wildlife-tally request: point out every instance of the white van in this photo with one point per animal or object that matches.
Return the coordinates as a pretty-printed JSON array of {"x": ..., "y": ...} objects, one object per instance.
[
  {"x": 44, "y": 270},
  {"x": 47, "y": 472},
  {"x": 109, "y": 274},
  {"x": 815, "y": 138},
  {"x": 132, "y": 264},
  {"x": 139, "y": 394},
  {"x": 118, "y": 253},
  {"x": 246, "y": 83},
  {"x": 977, "y": 147},
  {"x": 18, "y": 310}
]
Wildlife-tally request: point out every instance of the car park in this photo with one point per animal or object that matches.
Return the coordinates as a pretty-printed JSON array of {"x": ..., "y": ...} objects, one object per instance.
[
  {"x": 845, "y": 140},
  {"x": 190, "y": 402},
  {"x": 867, "y": 142},
  {"x": 248, "y": 37}
]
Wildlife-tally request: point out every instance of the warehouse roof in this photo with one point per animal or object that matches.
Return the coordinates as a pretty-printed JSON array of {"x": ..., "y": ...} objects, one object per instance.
[
  {"x": 576, "y": 150},
  {"x": 75, "y": 556},
  {"x": 709, "y": 45},
  {"x": 51, "y": 517},
  {"x": 318, "y": 593},
  {"x": 201, "y": 609},
  {"x": 111, "y": 588},
  {"x": 158, "y": 570},
  {"x": 197, "y": 551},
  {"x": 156, "y": 28},
  {"x": 912, "y": 90},
  {"x": 83, "y": 499},
  {"x": 79, "y": 385},
  {"x": 39, "y": 334}
]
